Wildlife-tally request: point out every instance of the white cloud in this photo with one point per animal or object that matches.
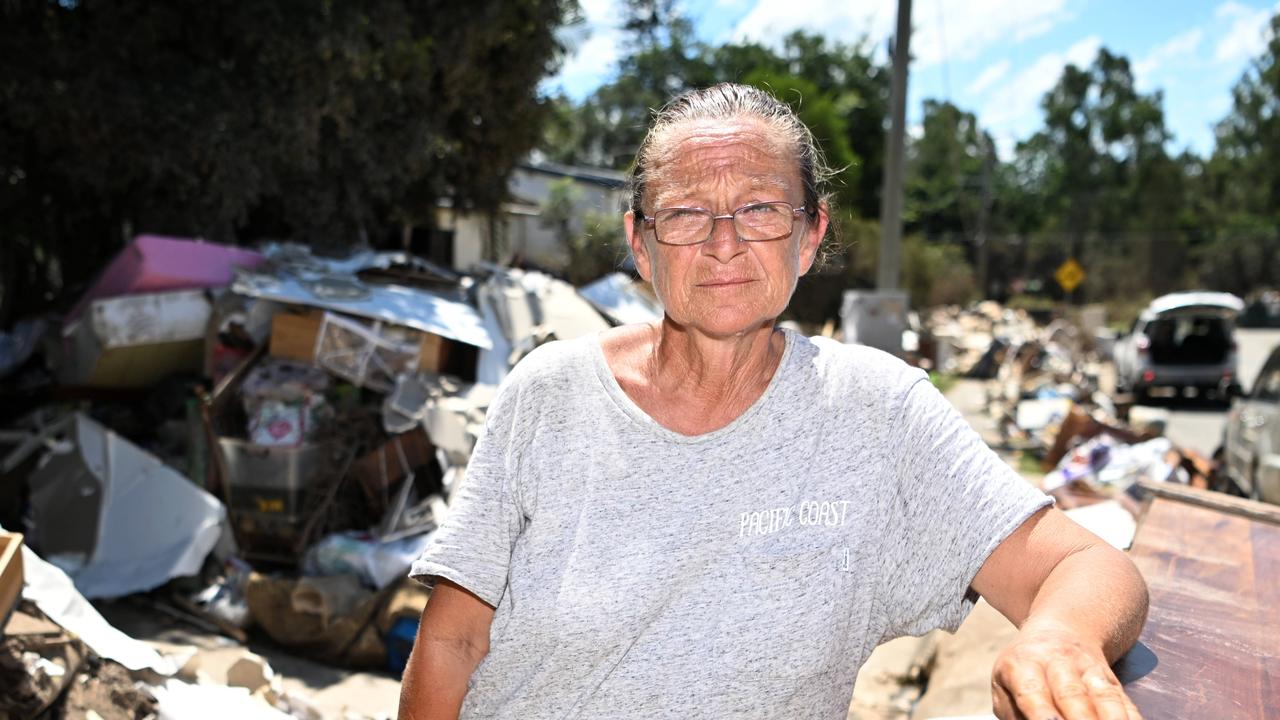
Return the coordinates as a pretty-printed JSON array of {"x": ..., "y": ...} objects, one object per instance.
[
  {"x": 1247, "y": 35},
  {"x": 1012, "y": 109},
  {"x": 1081, "y": 54},
  {"x": 990, "y": 76},
  {"x": 593, "y": 49},
  {"x": 943, "y": 30},
  {"x": 1176, "y": 49}
]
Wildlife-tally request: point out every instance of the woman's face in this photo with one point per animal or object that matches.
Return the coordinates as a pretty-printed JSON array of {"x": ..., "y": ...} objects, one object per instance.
[{"x": 725, "y": 287}]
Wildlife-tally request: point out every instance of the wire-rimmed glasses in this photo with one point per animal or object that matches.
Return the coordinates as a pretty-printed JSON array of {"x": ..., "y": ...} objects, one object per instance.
[{"x": 754, "y": 222}]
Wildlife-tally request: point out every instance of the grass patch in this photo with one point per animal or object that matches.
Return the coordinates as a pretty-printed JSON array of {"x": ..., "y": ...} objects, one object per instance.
[
  {"x": 941, "y": 381},
  {"x": 1028, "y": 463}
]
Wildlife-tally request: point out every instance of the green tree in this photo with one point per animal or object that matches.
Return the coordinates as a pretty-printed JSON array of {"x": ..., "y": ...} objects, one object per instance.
[
  {"x": 593, "y": 239},
  {"x": 946, "y": 171},
  {"x": 330, "y": 123},
  {"x": 1240, "y": 251},
  {"x": 840, "y": 90},
  {"x": 1108, "y": 192}
]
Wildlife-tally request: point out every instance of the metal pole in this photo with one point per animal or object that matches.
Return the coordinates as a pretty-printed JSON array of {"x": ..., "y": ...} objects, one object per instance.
[
  {"x": 890, "y": 268},
  {"x": 984, "y": 218}
]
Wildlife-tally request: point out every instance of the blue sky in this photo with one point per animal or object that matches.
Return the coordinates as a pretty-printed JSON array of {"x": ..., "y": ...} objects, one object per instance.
[{"x": 993, "y": 57}]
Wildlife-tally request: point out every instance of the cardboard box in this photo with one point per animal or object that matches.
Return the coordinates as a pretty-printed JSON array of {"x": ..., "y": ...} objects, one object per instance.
[
  {"x": 293, "y": 334},
  {"x": 378, "y": 472},
  {"x": 10, "y": 574}
]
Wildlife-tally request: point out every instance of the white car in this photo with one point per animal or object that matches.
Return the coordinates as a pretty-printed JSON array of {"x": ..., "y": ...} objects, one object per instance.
[
  {"x": 1181, "y": 342},
  {"x": 1251, "y": 449}
]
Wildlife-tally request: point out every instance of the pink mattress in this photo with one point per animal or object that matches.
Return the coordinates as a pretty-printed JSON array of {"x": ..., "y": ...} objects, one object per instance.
[{"x": 152, "y": 263}]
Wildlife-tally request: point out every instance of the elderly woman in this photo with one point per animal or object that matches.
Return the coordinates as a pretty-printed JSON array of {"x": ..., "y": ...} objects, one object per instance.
[{"x": 712, "y": 517}]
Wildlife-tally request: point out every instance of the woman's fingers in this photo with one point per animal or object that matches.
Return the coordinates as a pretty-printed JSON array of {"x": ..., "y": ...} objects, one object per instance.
[
  {"x": 1109, "y": 699},
  {"x": 1065, "y": 688},
  {"x": 1002, "y": 704},
  {"x": 1026, "y": 683},
  {"x": 1050, "y": 676},
  {"x": 1071, "y": 694}
]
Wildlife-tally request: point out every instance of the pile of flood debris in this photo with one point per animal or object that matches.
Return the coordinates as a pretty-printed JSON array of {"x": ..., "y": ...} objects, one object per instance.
[
  {"x": 1049, "y": 397},
  {"x": 248, "y": 441}
]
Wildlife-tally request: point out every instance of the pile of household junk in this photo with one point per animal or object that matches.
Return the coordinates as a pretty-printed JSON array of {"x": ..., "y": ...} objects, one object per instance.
[
  {"x": 1044, "y": 392},
  {"x": 247, "y": 441}
]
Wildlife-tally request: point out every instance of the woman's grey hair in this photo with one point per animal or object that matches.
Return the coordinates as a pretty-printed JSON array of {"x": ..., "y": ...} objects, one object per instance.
[{"x": 725, "y": 102}]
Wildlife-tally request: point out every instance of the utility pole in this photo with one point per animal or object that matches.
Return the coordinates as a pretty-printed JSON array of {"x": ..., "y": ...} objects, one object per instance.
[
  {"x": 879, "y": 317},
  {"x": 889, "y": 273},
  {"x": 984, "y": 218}
]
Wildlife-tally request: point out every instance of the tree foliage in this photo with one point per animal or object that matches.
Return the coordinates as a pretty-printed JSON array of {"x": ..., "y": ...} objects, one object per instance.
[
  {"x": 327, "y": 122},
  {"x": 1096, "y": 183},
  {"x": 1239, "y": 226},
  {"x": 838, "y": 90}
]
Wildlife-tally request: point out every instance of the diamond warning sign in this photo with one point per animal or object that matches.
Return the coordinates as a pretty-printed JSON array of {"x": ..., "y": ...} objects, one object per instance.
[{"x": 1069, "y": 275}]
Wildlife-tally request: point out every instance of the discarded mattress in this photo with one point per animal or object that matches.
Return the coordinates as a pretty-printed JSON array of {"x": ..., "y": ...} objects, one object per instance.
[
  {"x": 152, "y": 263},
  {"x": 138, "y": 340}
]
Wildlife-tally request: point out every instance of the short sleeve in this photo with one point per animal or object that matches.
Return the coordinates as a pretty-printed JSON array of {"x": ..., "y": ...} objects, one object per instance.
[
  {"x": 952, "y": 501},
  {"x": 473, "y": 546}
]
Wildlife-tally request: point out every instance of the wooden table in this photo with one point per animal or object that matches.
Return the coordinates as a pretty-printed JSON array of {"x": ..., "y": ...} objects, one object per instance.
[{"x": 1211, "y": 647}]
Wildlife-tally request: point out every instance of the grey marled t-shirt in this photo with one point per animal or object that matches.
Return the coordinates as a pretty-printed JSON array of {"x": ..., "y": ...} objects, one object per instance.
[{"x": 747, "y": 572}]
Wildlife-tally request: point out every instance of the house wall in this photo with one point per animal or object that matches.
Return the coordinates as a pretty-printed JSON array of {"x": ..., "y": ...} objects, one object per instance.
[
  {"x": 469, "y": 235},
  {"x": 528, "y": 236},
  {"x": 523, "y": 231}
]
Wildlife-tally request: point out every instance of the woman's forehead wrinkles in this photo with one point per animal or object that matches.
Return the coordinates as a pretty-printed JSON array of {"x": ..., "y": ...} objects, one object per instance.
[
  {"x": 708, "y": 161},
  {"x": 674, "y": 189}
]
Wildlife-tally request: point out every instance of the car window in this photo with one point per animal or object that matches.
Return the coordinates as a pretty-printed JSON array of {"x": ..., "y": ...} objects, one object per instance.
[{"x": 1267, "y": 386}]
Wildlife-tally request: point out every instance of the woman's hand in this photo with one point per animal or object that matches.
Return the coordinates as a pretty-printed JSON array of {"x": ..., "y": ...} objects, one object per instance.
[
  {"x": 1078, "y": 602},
  {"x": 1050, "y": 673}
]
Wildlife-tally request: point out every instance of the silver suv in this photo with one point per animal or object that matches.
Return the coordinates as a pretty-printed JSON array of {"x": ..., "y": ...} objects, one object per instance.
[
  {"x": 1181, "y": 342},
  {"x": 1251, "y": 450}
]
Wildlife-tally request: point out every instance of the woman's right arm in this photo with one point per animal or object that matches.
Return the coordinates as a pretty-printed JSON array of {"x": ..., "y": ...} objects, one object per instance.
[{"x": 453, "y": 638}]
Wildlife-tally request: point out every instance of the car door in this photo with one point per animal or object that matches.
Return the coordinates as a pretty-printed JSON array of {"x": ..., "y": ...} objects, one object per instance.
[
  {"x": 1253, "y": 428},
  {"x": 1124, "y": 355}
]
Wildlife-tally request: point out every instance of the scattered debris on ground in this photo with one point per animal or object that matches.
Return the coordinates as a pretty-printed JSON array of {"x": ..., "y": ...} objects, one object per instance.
[
  {"x": 255, "y": 445},
  {"x": 251, "y": 444}
]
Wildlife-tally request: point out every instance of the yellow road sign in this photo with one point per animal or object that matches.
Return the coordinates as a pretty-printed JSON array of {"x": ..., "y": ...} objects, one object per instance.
[{"x": 1069, "y": 275}]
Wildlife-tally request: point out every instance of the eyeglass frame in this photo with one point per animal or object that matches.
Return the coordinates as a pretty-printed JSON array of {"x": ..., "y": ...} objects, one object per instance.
[{"x": 651, "y": 223}]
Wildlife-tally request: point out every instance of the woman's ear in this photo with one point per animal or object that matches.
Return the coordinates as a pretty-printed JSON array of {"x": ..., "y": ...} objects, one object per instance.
[
  {"x": 814, "y": 230},
  {"x": 639, "y": 251}
]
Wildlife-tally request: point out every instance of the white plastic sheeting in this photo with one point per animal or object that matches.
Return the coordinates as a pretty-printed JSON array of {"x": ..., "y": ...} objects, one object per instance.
[
  {"x": 138, "y": 523},
  {"x": 525, "y": 309},
  {"x": 177, "y": 700},
  {"x": 53, "y": 592},
  {"x": 617, "y": 296}
]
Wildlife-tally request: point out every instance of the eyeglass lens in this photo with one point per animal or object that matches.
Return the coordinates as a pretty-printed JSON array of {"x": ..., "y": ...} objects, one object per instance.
[{"x": 689, "y": 226}]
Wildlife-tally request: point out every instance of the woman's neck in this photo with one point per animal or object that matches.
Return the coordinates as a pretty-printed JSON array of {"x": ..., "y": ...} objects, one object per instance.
[
  {"x": 685, "y": 363},
  {"x": 690, "y": 383}
]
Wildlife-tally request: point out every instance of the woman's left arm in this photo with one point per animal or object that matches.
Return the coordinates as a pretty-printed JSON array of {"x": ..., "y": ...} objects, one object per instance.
[{"x": 1079, "y": 605}]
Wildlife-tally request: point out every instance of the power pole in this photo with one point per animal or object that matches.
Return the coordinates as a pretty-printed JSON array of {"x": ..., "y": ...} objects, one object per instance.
[
  {"x": 984, "y": 218},
  {"x": 889, "y": 272}
]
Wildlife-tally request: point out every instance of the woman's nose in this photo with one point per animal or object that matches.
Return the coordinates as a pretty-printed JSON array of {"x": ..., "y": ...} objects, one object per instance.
[{"x": 724, "y": 243}]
